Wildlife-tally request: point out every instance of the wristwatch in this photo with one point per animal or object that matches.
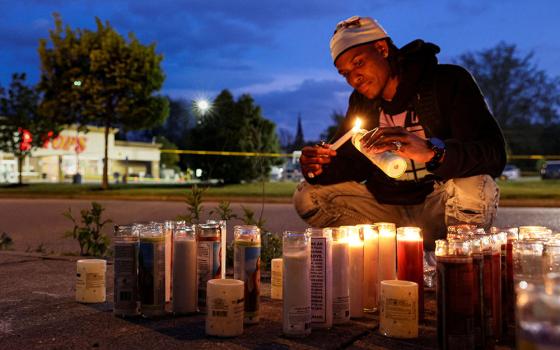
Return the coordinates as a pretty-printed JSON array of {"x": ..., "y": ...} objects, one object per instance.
[{"x": 438, "y": 146}]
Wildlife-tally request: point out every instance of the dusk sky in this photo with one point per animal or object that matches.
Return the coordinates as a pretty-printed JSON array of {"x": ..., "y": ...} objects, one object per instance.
[{"x": 278, "y": 51}]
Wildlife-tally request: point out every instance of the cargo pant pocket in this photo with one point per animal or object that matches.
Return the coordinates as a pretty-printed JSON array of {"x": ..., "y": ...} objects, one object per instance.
[{"x": 472, "y": 200}]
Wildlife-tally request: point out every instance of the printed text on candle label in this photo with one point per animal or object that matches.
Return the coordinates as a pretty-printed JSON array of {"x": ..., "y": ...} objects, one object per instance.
[{"x": 318, "y": 279}]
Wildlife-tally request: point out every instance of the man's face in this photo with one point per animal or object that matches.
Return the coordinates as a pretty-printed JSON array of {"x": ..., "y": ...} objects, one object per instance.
[{"x": 366, "y": 68}]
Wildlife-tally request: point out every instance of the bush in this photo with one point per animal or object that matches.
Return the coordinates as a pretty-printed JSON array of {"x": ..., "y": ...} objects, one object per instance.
[{"x": 89, "y": 236}]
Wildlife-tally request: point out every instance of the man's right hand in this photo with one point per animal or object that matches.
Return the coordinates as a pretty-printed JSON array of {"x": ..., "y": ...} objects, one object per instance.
[{"x": 313, "y": 158}]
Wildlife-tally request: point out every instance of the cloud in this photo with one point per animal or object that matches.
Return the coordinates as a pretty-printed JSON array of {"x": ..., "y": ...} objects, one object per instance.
[{"x": 315, "y": 100}]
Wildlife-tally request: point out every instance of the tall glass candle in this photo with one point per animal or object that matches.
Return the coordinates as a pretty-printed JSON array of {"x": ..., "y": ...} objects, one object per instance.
[
  {"x": 223, "y": 238},
  {"x": 90, "y": 281},
  {"x": 455, "y": 308},
  {"x": 356, "y": 271},
  {"x": 185, "y": 276},
  {"x": 503, "y": 234},
  {"x": 479, "y": 323},
  {"x": 151, "y": 270},
  {"x": 296, "y": 270},
  {"x": 125, "y": 251},
  {"x": 321, "y": 278},
  {"x": 387, "y": 251},
  {"x": 168, "y": 232},
  {"x": 398, "y": 315},
  {"x": 410, "y": 266},
  {"x": 371, "y": 257},
  {"x": 247, "y": 267},
  {"x": 527, "y": 261},
  {"x": 340, "y": 261},
  {"x": 209, "y": 251},
  {"x": 491, "y": 287},
  {"x": 276, "y": 278},
  {"x": 225, "y": 307}
]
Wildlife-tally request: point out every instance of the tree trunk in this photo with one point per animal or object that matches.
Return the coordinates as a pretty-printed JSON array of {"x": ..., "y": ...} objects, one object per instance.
[
  {"x": 20, "y": 169},
  {"x": 105, "y": 183}
]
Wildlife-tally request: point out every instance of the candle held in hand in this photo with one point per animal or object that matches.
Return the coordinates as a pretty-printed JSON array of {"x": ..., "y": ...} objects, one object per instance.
[{"x": 347, "y": 136}]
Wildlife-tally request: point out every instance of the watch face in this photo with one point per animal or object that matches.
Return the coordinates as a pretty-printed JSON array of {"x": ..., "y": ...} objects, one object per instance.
[{"x": 437, "y": 142}]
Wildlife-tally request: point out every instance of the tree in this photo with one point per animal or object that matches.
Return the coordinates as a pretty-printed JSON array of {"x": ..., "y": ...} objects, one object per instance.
[
  {"x": 234, "y": 126},
  {"x": 168, "y": 160},
  {"x": 286, "y": 139},
  {"x": 21, "y": 128},
  {"x": 330, "y": 132},
  {"x": 100, "y": 78},
  {"x": 519, "y": 94}
]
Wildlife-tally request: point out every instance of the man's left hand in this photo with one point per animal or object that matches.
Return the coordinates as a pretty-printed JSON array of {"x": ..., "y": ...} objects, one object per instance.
[{"x": 398, "y": 140}]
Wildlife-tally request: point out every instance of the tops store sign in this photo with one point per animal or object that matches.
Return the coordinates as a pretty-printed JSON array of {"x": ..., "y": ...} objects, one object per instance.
[{"x": 67, "y": 143}]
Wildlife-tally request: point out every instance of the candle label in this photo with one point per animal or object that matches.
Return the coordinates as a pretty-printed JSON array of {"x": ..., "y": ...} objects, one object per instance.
[
  {"x": 399, "y": 309},
  {"x": 341, "y": 309},
  {"x": 299, "y": 318},
  {"x": 152, "y": 272},
  {"x": 209, "y": 265},
  {"x": 247, "y": 268},
  {"x": 126, "y": 279},
  {"x": 276, "y": 279},
  {"x": 220, "y": 308},
  {"x": 318, "y": 279}
]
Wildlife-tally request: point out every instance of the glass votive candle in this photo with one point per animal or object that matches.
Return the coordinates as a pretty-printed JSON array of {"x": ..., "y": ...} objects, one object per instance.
[
  {"x": 538, "y": 317},
  {"x": 527, "y": 261},
  {"x": 534, "y": 232}
]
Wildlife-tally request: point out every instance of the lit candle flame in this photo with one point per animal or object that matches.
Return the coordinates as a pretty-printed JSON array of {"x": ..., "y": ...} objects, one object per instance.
[
  {"x": 410, "y": 234},
  {"x": 357, "y": 124}
]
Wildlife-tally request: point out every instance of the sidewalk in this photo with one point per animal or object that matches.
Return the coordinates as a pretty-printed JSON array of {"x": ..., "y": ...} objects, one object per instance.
[{"x": 38, "y": 311}]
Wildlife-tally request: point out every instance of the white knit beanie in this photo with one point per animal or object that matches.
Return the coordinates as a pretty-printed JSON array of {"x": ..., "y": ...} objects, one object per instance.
[{"x": 355, "y": 31}]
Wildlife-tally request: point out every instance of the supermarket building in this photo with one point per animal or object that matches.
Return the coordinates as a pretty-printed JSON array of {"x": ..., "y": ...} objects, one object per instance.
[{"x": 73, "y": 151}]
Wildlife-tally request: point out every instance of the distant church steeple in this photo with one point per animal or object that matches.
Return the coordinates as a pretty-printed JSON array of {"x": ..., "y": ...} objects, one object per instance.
[{"x": 299, "y": 140}]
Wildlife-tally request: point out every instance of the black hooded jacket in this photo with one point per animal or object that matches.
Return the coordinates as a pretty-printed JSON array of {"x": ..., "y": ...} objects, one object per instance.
[{"x": 457, "y": 114}]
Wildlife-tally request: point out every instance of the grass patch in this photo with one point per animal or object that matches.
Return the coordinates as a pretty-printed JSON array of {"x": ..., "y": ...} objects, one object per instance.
[
  {"x": 156, "y": 191},
  {"x": 530, "y": 189}
]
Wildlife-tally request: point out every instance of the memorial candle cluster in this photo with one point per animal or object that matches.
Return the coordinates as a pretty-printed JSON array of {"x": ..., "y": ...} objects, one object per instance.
[{"x": 500, "y": 260}]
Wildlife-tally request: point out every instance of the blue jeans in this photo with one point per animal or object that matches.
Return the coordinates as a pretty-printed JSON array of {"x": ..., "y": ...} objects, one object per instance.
[{"x": 471, "y": 200}]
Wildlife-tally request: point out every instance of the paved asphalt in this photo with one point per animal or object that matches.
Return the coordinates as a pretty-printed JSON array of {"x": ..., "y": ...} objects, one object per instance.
[{"x": 38, "y": 224}]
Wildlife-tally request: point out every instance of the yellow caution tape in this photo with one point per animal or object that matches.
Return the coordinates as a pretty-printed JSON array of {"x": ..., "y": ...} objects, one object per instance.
[{"x": 224, "y": 153}]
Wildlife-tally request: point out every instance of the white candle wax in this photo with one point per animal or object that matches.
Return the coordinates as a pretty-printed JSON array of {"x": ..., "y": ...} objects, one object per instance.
[
  {"x": 296, "y": 310},
  {"x": 356, "y": 258},
  {"x": 387, "y": 251},
  {"x": 341, "y": 292},
  {"x": 185, "y": 291},
  {"x": 224, "y": 300},
  {"x": 398, "y": 315},
  {"x": 371, "y": 253},
  {"x": 90, "y": 282},
  {"x": 276, "y": 279},
  {"x": 347, "y": 136}
]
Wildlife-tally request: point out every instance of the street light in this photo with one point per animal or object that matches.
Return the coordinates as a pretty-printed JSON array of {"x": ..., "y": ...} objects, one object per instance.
[{"x": 202, "y": 106}]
